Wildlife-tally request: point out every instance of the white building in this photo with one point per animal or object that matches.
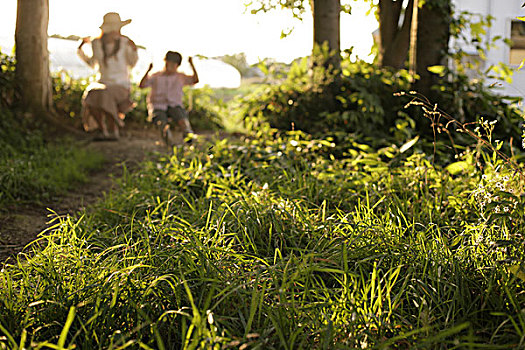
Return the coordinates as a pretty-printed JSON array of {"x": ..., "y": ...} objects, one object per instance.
[{"x": 506, "y": 25}]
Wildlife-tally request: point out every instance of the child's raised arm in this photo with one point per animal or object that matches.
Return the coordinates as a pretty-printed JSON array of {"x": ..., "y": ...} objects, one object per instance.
[
  {"x": 142, "y": 83},
  {"x": 195, "y": 75}
]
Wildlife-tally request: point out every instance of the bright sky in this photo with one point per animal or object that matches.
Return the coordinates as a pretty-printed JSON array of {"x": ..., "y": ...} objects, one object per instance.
[{"x": 206, "y": 27}]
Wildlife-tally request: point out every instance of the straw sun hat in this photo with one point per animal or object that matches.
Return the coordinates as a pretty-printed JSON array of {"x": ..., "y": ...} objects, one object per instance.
[{"x": 112, "y": 22}]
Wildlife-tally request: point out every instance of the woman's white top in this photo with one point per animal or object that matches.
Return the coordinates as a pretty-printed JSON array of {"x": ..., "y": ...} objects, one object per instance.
[{"x": 116, "y": 69}]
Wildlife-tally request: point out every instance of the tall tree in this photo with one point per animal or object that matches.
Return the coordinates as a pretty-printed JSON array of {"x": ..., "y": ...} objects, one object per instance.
[
  {"x": 433, "y": 21},
  {"x": 326, "y": 15},
  {"x": 435, "y": 18},
  {"x": 394, "y": 35},
  {"x": 433, "y": 32},
  {"x": 32, "y": 56},
  {"x": 395, "y": 19}
]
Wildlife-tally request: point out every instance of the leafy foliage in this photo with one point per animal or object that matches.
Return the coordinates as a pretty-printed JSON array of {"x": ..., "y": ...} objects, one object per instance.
[
  {"x": 67, "y": 96},
  {"x": 297, "y": 7},
  {"x": 364, "y": 101},
  {"x": 8, "y": 88},
  {"x": 359, "y": 102}
]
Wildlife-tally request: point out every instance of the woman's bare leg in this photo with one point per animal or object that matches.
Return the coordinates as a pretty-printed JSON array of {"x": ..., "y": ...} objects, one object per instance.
[
  {"x": 113, "y": 126},
  {"x": 100, "y": 117}
]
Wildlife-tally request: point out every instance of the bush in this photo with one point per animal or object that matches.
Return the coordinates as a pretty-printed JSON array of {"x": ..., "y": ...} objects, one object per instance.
[
  {"x": 67, "y": 96},
  {"x": 204, "y": 109},
  {"x": 8, "y": 89},
  {"x": 362, "y": 100}
]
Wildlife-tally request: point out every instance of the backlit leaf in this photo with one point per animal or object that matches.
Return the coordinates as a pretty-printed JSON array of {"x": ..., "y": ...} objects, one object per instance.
[
  {"x": 408, "y": 145},
  {"x": 439, "y": 70},
  {"x": 457, "y": 167}
]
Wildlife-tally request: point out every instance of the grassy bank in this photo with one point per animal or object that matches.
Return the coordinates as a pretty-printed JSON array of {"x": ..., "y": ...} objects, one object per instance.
[
  {"x": 268, "y": 243},
  {"x": 35, "y": 168},
  {"x": 34, "y": 164}
]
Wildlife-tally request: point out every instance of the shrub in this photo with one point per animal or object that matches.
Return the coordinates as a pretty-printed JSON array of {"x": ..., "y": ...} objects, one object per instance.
[
  {"x": 8, "y": 88},
  {"x": 204, "y": 108},
  {"x": 362, "y": 101},
  {"x": 67, "y": 96}
]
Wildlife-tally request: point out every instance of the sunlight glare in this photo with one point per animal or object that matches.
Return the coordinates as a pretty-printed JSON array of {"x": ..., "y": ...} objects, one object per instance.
[{"x": 209, "y": 28}]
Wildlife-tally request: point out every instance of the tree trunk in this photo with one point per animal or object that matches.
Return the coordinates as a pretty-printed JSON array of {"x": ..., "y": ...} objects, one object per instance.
[
  {"x": 432, "y": 37},
  {"x": 326, "y": 15},
  {"x": 32, "y": 56},
  {"x": 394, "y": 40},
  {"x": 432, "y": 43}
]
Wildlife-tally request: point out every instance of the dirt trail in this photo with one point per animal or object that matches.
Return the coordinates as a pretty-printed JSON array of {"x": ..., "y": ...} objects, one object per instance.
[{"x": 21, "y": 225}]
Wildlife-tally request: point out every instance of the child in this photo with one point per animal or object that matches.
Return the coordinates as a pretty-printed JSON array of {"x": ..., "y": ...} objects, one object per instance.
[{"x": 165, "y": 99}]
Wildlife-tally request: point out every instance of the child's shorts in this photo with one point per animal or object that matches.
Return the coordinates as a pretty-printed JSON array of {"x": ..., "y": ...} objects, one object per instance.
[{"x": 172, "y": 114}]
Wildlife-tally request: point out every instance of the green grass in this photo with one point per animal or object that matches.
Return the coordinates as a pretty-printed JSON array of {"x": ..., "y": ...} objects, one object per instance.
[
  {"x": 268, "y": 243},
  {"x": 33, "y": 169},
  {"x": 47, "y": 171}
]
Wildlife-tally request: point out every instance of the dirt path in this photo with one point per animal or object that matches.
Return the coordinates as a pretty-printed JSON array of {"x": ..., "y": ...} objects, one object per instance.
[{"x": 22, "y": 225}]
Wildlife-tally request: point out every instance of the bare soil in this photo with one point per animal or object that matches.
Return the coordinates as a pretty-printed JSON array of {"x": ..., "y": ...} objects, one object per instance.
[{"x": 22, "y": 223}]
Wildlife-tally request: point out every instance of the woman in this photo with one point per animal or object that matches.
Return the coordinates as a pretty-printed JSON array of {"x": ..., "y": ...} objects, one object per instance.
[{"x": 109, "y": 99}]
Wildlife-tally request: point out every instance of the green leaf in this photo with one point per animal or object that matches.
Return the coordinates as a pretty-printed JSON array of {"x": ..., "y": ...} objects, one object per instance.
[
  {"x": 408, "y": 145},
  {"x": 457, "y": 167},
  {"x": 521, "y": 64},
  {"x": 439, "y": 70},
  {"x": 67, "y": 325},
  {"x": 517, "y": 271},
  {"x": 477, "y": 29}
]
